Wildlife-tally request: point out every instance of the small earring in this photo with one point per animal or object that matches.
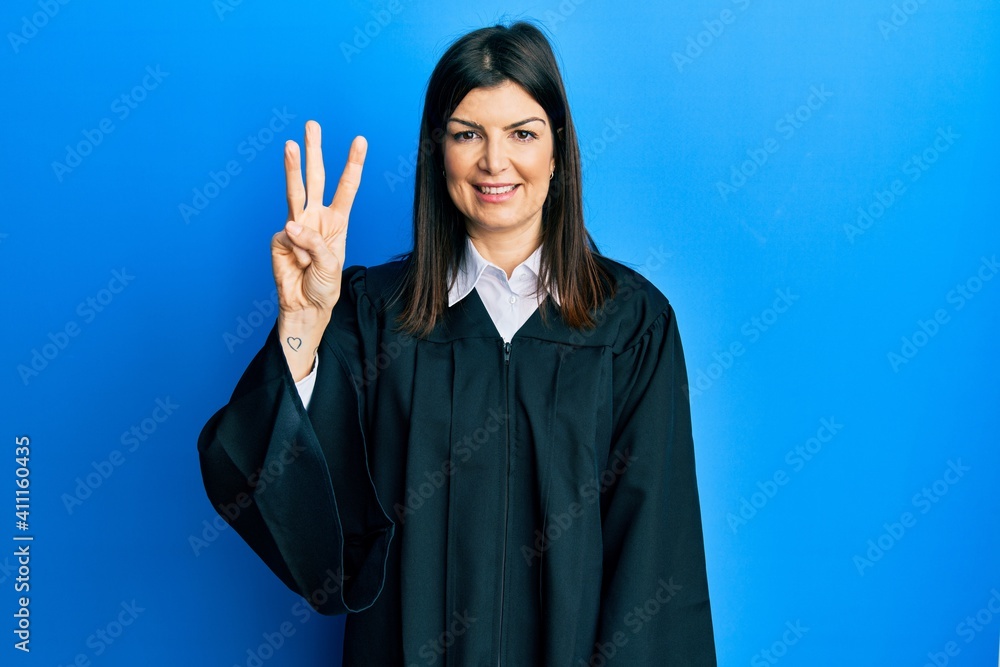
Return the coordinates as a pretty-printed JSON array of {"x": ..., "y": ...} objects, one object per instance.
[{"x": 552, "y": 174}]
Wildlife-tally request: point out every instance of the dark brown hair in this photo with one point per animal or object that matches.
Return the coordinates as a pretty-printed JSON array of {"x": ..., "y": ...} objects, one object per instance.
[{"x": 486, "y": 58}]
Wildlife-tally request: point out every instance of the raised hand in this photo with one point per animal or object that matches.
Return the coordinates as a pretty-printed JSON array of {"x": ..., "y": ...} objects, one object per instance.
[{"x": 307, "y": 256}]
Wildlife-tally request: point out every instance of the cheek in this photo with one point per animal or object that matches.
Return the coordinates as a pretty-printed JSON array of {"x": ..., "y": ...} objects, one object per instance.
[
  {"x": 540, "y": 173},
  {"x": 455, "y": 162},
  {"x": 541, "y": 164},
  {"x": 457, "y": 192},
  {"x": 455, "y": 175},
  {"x": 456, "y": 195}
]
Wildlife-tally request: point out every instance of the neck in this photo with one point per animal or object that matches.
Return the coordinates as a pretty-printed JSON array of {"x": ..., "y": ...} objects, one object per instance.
[{"x": 506, "y": 249}]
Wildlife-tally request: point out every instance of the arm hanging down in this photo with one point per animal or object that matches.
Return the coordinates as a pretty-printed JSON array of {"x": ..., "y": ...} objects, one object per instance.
[{"x": 654, "y": 555}]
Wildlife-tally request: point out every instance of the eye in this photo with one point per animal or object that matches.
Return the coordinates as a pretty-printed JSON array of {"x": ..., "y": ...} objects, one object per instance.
[
  {"x": 525, "y": 135},
  {"x": 467, "y": 135}
]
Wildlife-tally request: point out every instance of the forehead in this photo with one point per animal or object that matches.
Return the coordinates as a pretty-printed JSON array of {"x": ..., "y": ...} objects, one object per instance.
[{"x": 498, "y": 103}]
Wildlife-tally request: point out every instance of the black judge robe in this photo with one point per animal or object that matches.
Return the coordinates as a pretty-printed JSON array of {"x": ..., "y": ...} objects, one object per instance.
[{"x": 473, "y": 503}]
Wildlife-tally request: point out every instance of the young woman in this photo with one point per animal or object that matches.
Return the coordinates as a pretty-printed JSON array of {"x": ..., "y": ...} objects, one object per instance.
[{"x": 481, "y": 450}]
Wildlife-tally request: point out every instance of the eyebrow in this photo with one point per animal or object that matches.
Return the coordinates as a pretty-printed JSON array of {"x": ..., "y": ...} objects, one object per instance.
[{"x": 509, "y": 127}]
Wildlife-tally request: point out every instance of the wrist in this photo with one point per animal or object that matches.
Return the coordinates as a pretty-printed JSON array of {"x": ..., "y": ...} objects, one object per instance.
[
  {"x": 304, "y": 320},
  {"x": 300, "y": 338}
]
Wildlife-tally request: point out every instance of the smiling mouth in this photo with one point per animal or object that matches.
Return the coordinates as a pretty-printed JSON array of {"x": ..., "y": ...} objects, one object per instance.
[{"x": 496, "y": 191}]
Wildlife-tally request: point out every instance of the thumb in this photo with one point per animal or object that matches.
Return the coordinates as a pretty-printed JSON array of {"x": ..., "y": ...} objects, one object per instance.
[{"x": 306, "y": 240}]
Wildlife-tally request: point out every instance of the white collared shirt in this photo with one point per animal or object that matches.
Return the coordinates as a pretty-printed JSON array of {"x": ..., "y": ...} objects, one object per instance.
[{"x": 509, "y": 301}]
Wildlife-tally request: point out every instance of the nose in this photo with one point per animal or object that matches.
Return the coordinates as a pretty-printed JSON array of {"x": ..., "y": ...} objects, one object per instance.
[{"x": 494, "y": 158}]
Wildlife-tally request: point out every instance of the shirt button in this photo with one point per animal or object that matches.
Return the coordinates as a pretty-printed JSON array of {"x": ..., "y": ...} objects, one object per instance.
[{"x": 513, "y": 299}]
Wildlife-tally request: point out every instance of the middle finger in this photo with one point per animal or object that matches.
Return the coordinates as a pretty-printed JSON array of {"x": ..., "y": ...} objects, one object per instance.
[{"x": 315, "y": 173}]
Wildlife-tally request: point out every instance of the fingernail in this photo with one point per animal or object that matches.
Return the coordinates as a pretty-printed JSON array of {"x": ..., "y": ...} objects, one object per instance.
[{"x": 294, "y": 228}]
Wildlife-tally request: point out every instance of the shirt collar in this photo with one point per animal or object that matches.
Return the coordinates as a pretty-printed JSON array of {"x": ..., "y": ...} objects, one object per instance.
[{"x": 472, "y": 268}]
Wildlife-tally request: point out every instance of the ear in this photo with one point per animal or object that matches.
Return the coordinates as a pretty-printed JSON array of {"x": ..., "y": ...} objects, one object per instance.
[{"x": 552, "y": 165}]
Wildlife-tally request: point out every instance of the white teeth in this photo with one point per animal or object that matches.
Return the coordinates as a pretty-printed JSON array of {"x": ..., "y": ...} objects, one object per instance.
[{"x": 496, "y": 191}]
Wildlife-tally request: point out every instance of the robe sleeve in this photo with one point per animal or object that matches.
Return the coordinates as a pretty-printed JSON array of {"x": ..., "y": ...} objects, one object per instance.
[
  {"x": 295, "y": 484},
  {"x": 655, "y": 604}
]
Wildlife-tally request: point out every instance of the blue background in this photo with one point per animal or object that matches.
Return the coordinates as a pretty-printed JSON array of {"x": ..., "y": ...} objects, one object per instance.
[{"x": 671, "y": 103}]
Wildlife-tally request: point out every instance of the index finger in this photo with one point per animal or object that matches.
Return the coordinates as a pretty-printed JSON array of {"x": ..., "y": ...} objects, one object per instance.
[
  {"x": 350, "y": 179},
  {"x": 294, "y": 190}
]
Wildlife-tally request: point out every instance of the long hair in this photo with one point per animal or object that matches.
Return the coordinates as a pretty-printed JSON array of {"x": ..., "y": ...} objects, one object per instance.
[{"x": 486, "y": 58}]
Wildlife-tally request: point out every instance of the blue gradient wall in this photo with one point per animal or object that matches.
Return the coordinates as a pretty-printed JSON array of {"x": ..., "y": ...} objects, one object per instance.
[{"x": 813, "y": 187}]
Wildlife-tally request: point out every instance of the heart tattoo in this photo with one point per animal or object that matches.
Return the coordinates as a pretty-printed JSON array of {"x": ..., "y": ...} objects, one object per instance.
[{"x": 294, "y": 343}]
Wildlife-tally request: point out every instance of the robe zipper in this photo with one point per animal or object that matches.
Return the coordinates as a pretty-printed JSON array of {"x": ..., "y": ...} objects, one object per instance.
[{"x": 506, "y": 482}]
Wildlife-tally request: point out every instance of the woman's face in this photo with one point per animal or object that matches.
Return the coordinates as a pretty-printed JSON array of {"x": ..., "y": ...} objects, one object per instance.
[{"x": 498, "y": 155}]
